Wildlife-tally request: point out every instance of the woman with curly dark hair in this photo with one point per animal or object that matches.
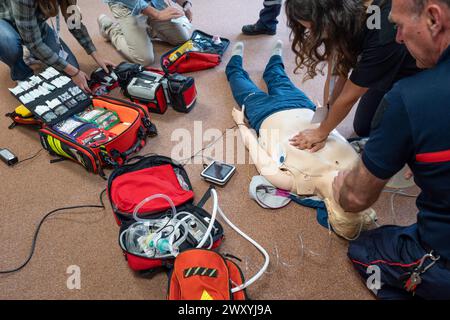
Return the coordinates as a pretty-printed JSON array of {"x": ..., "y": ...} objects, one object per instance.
[
  {"x": 25, "y": 23},
  {"x": 357, "y": 41}
]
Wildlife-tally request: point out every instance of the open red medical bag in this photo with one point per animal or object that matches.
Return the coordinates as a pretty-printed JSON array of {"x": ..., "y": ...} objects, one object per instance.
[
  {"x": 115, "y": 130},
  {"x": 144, "y": 177},
  {"x": 202, "y": 51}
]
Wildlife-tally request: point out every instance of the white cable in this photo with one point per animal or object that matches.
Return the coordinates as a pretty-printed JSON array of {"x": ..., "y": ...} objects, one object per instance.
[
  {"x": 253, "y": 242},
  {"x": 399, "y": 192},
  {"x": 207, "y": 235}
]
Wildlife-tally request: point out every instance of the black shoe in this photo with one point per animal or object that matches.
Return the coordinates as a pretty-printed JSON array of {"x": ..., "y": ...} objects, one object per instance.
[{"x": 255, "y": 29}]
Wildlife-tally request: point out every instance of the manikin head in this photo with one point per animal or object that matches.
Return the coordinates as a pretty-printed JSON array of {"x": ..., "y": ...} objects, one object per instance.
[
  {"x": 424, "y": 27},
  {"x": 348, "y": 225}
]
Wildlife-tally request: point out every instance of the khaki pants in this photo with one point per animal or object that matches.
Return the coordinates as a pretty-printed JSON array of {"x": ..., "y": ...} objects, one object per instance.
[{"x": 129, "y": 35}]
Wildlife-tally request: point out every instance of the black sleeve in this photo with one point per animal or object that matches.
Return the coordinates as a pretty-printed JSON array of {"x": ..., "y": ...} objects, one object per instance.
[
  {"x": 382, "y": 58},
  {"x": 378, "y": 66}
]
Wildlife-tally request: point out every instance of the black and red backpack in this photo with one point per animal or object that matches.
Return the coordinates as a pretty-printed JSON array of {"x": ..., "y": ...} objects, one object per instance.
[
  {"x": 128, "y": 137},
  {"x": 129, "y": 184}
]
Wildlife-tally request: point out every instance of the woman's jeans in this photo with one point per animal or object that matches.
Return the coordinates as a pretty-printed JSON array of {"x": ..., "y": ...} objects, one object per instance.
[{"x": 11, "y": 51}]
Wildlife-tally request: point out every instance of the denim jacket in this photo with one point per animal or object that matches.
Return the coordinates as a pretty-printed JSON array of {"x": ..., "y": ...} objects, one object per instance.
[{"x": 136, "y": 6}]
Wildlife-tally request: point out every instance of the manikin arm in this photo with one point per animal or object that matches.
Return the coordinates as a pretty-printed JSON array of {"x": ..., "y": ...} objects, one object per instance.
[{"x": 265, "y": 165}]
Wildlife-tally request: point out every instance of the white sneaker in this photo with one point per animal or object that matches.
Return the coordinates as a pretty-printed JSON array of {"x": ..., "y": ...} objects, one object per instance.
[
  {"x": 278, "y": 48},
  {"x": 238, "y": 49},
  {"x": 104, "y": 24}
]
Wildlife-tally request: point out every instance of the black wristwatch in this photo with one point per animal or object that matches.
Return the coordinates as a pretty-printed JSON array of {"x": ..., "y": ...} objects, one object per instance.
[{"x": 185, "y": 4}]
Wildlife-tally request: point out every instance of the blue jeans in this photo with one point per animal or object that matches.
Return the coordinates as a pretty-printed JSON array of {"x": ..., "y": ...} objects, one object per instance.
[
  {"x": 11, "y": 52},
  {"x": 397, "y": 251},
  {"x": 268, "y": 15},
  {"x": 282, "y": 93}
]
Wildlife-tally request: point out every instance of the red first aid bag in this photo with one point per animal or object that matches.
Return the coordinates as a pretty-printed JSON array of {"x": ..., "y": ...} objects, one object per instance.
[
  {"x": 202, "y": 51},
  {"x": 119, "y": 142},
  {"x": 143, "y": 177}
]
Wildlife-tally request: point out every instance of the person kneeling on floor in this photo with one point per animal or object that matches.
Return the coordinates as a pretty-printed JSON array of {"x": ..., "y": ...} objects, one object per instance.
[
  {"x": 411, "y": 127},
  {"x": 29, "y": 24},
  {"x": 137, "y": 21}
]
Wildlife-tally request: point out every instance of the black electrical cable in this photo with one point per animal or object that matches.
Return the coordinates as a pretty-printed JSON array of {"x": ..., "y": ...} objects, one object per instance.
[
  {"x": 29, "y": 158},
  {"x": 36, "y": 233},
  {"x": 184, "y": 162}
]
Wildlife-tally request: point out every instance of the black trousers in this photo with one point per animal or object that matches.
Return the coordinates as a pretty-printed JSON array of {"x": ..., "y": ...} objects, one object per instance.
[{"x": 367, "y": 108}]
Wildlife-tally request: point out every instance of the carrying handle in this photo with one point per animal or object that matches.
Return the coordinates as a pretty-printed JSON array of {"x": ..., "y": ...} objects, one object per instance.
[
  {"x": 124, "y": 155},
  {"x": 133, "y": 149},
  {"x": 138, "y": 158}
]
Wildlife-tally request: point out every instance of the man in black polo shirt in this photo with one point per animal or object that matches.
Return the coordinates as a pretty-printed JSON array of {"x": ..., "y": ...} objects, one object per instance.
[{"x": 411, "y": 127}]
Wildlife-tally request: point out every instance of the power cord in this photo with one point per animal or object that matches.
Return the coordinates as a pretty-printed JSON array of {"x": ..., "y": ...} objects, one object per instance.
[
  {"x": 394, "y": 193},
  {"x": 185, "y": 161},
  {"x": 29, "y": 158},
  {"x": 36, "y": 233}
]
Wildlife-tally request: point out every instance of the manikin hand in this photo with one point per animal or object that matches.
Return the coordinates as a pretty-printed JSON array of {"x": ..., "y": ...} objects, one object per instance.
[{"x": 312, "y": 139}]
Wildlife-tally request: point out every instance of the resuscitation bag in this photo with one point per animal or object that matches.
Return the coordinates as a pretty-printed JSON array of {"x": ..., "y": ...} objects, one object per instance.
[
  {"x": 144, "y": 177},
  {"x": 202, "y": 51},
  {"x": 204, "y": 275},
  {"x": 182, "y": 92}
]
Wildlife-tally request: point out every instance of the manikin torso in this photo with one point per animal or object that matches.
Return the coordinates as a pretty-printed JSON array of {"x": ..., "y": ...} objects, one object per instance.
[
  {"x": 274, "y": 137},
  {"x": 304, "y": 172}
]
